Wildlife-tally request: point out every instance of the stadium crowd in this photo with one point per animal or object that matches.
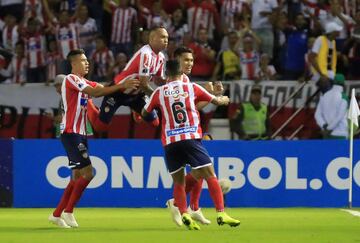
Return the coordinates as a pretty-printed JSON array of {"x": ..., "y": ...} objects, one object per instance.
[{"x": 255, "y": 40}]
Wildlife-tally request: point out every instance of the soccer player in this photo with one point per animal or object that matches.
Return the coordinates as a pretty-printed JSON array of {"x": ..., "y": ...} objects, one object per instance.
[
  {"x": 193, "y": 187},
  {"x": 75, "y": 91},
  {"x": 147, "y": 64},
  {"x": 181, "y": 137}
]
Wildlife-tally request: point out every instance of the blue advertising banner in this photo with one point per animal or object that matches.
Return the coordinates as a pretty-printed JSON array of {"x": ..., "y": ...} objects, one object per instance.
[
  {"x": 6, "y": 180},
  {"x": 132, "y": 173}
]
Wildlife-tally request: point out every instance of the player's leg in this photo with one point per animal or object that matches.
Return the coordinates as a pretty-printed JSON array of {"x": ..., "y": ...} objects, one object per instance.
[
  {"x": 174, "y": 160},
  {"x": 82, "y": 172},
  {"x": 100, "y": 118},
  {"x": 202, "y": 168},
  {"x": 138, "y": 104}
]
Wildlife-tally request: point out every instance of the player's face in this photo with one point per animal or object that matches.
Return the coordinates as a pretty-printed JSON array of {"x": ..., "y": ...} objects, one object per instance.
[
  {"x": 80, "y": 65},
  {"x": 161, "y": 39},
  {"x": 186, "y": 62}
]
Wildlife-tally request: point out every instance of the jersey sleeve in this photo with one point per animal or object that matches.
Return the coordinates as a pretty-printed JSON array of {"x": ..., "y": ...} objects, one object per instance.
[
  {"x": 153, "y": 102},
  {"x": 144, "y": 65},
  {"x": 201, "y": 94},
  {"x": 76, "y": 83}
]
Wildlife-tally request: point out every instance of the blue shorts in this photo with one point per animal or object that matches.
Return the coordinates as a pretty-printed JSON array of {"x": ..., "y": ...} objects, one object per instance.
[
  {"x": 76, "y": 147},
  {"x": 190, "y": 152},
  {"x": 113, "y": 101}
]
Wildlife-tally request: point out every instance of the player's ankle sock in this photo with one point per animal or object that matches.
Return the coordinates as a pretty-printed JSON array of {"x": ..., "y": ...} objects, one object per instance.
[
  {"x": 180, "y": 197},
  {"x": 216, "y": 193},
  {"x": 195, "y": 195},
  {"x": 64, "y": 199},
  {"x": 79, "y": 187}
]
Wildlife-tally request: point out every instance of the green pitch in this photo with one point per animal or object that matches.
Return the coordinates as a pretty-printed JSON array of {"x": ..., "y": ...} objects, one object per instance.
[{"x": 154, "y": 225}]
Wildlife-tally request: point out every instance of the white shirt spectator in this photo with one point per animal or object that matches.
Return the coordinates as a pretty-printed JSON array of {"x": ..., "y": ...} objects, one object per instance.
[
  {"x": 258, "y": 6},
  {"x": 332, "y": 110},
  {"x": 87, "y": 33},
  {"x": 326, "y": 17}
]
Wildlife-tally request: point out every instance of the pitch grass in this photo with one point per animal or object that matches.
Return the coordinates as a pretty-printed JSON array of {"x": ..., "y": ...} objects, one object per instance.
[{"x": 154, "y": 225}]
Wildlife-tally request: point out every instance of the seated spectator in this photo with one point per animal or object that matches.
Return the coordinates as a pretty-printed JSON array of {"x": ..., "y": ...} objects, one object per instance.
[
  {"x": 251, "y": 121},
  {"x": 10, "y": 32},
  {"x": 204, "y": 54},
  {"x": 266, "y": 71},
  {"x": 53, "y": 61}
]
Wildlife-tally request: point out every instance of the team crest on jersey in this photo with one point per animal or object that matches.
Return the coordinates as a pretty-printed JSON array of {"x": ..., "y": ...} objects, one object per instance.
[{"x": 175, "y": 93}]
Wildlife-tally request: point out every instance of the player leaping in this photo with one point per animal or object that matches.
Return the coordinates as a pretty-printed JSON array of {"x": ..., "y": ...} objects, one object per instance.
[
  {"x": 181, "y": 137},
  {"x": 147, "y": 65}
]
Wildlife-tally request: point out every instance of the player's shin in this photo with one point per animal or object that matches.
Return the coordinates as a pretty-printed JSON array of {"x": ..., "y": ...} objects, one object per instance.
[
  {"x": 216, "y": 193},
  {"x": 64, "y": 199},
  {"x": 180, "y": 197}
]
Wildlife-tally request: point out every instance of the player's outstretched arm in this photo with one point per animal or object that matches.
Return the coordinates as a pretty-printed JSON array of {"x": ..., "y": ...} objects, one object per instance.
[{"x": 100, "y": 90}]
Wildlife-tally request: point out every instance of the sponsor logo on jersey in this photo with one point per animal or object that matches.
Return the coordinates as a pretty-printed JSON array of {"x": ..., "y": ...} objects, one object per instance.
[{"x": 182, "y": 130}]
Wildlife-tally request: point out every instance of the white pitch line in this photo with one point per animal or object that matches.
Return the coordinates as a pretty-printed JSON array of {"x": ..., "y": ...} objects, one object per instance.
[{"x": 352, "y": 212}]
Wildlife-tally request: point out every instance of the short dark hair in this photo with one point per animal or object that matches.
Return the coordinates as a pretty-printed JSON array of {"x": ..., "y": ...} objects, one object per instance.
[
  {"x": 182, "y": 49},
  {"x": 172, "y": 68},
  {"x": 73, "y": 53}
]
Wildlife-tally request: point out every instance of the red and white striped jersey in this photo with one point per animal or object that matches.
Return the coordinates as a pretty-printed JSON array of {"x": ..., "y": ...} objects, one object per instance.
[
  {"x": 75, "y": 104},
  {"x": 52, "y": 64},
  {"x": 177, "y": 102},
  {"x": 34, "y": 8},
  {"x": 18, "y": 68},
  {"x": 202, "y": 16},
  {"x": 229, "y": 8},
  {"x": 249, "y": 62},
  {"x": 35, "y": 48},
  {"x": 102, "y": 60},
  {"x": 145, "y": 62},
  {"x": 122, "y": 20},
  {"x": 67, "y": 37},
  {"x": 10, "y": 37}
]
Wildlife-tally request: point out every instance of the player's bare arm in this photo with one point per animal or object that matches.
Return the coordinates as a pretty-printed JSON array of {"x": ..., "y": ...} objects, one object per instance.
[
  {"x": 100, "y": 90},
  {"x": 221, "y": 100}
]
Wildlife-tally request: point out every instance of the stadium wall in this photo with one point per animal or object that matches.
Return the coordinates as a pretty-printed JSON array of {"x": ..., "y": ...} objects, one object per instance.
[{"x": 132, "y": 173}]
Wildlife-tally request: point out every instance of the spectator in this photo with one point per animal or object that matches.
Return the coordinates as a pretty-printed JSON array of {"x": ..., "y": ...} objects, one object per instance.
[
  {"x": 178, "y": 27},
  {"x": 263, "y": 15},
  {"x": 35, "y": 48},
  {"x": 204, "y": 54},
  {"x": 228, "y": 65},
  {"x": 228, "y": 12},
  {"x": 19, "y": 64},
  {"x": 157, "y": 16},
  {"x": 123, "y": 28},
  {"x": 323, "y": 57},
  {"x": 53, "y": 61},
  {"x": 101, "y": 61},
  {"x": 295, "y": 49},
  {"x": 249, "y": 59},
  {"x": 119, "y": 64},
  {"x": 34, "y": 9},
  {"x": 203, "y": 14},
  {"x": 265, "y": 72},
  {"x": 331, "y": 111},
  {"x": 10, "y": 33},
  {"x": 251, "y": 121},
  {"x": 87, "y": 30},
  {"x": 5, "y": 73},
  {"x": 335, "y": 15}
]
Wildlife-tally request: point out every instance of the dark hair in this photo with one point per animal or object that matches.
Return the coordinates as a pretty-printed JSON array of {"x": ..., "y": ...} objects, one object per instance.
[
  {"x": 156, "y": 28},
  {"x": 74, "y": 53},
  {"x": 172, "y": 68},
  {"x": 180, "y": 50}
]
